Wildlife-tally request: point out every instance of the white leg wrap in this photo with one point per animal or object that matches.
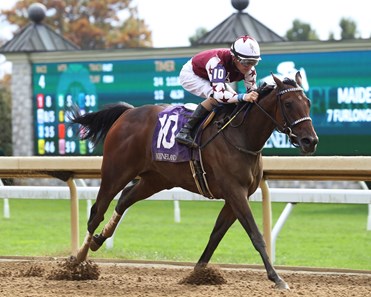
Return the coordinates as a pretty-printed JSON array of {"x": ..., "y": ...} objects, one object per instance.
[
  {"x": 83, "y": 251},
  {"x": 88, "y": 238},
  {"x": 110, "y": 227}
]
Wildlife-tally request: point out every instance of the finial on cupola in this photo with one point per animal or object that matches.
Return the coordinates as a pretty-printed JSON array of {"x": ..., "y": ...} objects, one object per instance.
[
  {"x": 36, "y": 12},
  {"x": 240, "y": 4}
]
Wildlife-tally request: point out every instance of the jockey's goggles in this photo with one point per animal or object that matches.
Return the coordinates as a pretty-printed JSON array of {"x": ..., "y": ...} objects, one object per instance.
[{"x": 248, "y": 62}]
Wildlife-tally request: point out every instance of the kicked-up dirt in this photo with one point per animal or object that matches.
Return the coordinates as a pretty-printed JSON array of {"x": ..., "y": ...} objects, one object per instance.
[{"x": 44, "y": 278}]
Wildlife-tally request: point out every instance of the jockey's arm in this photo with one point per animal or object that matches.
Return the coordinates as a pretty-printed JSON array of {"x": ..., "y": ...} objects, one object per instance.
[
  {"x": 222, "y": 92},
  {"x": 225, "y": 94}
]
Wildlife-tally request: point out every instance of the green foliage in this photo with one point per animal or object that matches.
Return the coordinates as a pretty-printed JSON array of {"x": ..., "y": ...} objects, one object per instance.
[
  {"x": 91, "y": 24},
  {"x": 198, "y": 34},
  {"x": 315, "y": 235},
  {"x": 348, "y": 29},
  {"x": 301, "y": 32}
]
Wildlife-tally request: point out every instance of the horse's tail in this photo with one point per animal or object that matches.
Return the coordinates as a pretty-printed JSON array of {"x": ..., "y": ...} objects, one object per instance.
[{"x": 95, "y": 125}]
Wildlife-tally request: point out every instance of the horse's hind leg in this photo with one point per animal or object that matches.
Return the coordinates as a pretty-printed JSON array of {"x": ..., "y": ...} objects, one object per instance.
[
  {"x": 224, "y": 221},
  {"x": 107, "y": 191},
  {"x": 110, "y": 227},
  {"x": 96, "y": 216},
  {"x": 130, "y": 195}
]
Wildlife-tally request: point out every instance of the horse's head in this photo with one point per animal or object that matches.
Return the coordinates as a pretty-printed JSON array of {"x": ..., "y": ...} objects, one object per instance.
[{"x": 293, "y": 114}]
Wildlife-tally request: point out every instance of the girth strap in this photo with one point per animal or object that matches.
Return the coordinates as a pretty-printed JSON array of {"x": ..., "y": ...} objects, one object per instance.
[{"x": 199, "y": 175}]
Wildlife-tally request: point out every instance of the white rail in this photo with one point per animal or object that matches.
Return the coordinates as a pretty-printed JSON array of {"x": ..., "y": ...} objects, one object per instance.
[{"x": 288, "y": 195}]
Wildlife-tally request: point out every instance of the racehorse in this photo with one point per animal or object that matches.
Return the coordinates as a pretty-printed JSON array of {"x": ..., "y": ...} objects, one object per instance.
[{"x": 231, "y": 149}]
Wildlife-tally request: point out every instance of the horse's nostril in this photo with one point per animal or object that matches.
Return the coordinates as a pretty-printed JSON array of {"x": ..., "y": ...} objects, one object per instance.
[{"x": 307, "y": 141}]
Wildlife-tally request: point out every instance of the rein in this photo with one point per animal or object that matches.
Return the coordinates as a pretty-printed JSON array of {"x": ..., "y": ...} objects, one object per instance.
[
  {"x": 224, "y": 126},
  {"x": 286, "y": 128},
  {"x": 239, "y": 148}
]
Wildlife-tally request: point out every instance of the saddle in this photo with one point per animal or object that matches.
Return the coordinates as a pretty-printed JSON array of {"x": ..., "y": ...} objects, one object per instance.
[{"x": 165, "y": 148}]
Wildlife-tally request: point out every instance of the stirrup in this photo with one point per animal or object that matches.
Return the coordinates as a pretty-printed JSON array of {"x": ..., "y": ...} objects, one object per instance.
[{"x": 185, "y": 139}]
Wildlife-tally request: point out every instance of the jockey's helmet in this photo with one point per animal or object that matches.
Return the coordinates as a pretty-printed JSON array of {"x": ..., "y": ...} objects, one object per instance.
[{"x": 246, "y": 49}]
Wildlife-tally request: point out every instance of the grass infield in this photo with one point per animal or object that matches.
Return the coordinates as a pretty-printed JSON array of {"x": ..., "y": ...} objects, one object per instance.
[{"x": 315, "y": 235}]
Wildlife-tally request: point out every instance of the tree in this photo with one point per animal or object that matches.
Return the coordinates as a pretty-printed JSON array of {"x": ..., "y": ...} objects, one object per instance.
[
  {"x": 91, "y": 24},
  {"x": 348, "y": 28},
  {"x": 199, "y": 33},
  {"x": 301, "y": 32},
  {"x": 331, "y": 36}
]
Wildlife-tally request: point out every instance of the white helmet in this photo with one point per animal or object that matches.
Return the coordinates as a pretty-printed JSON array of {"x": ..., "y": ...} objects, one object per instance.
[{"x": 246, "y": 48}]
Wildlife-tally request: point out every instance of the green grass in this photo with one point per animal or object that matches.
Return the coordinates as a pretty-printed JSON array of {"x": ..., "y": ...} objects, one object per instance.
[{"x": 316, "y": 235}]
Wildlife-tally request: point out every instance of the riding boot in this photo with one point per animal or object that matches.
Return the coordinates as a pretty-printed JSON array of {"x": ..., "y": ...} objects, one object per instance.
[{"x": 184, "y": 135}]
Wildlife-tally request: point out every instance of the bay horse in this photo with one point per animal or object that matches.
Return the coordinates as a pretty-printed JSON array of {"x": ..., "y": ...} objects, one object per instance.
[{"x": 231, "y": 159}]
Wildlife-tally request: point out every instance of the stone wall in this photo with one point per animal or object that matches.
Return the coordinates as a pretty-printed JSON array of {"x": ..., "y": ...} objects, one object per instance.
[{"x": 22, "y": 118}]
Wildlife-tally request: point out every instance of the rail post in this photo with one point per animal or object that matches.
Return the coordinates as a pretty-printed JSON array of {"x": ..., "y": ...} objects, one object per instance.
[{"x": 74, "y": 216}]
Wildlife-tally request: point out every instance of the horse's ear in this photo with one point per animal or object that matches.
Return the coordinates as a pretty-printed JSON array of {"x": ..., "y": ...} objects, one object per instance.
[
  {"x": 298, "y": 79},
  {"x": 277, "y": 81}
]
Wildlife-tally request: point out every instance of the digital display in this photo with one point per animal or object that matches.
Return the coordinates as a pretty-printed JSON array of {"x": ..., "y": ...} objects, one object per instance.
[
  {"x": 338, "y": 84},
  {"x": 90, "y": 86}
]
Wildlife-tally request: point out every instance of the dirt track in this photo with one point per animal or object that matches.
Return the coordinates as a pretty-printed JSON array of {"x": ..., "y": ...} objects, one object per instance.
[{"x": 32, "y": 278}]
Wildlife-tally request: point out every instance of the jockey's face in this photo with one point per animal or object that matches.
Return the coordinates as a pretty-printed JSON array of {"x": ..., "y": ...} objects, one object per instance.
[{"x": 243, "y": 68}]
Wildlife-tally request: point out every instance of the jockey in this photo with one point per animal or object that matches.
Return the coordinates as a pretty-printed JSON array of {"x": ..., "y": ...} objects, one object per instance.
[{"x": 208, "y": 73}]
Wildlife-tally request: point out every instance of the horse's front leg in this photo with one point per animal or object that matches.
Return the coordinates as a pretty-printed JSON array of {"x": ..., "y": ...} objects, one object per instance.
[
  {"x": 244, "y": 214},
  {"x": 224, "y": 221}
]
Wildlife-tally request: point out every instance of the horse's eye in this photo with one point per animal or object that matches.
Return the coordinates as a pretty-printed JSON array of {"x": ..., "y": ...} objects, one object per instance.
[{"x": 287, "y": 104}]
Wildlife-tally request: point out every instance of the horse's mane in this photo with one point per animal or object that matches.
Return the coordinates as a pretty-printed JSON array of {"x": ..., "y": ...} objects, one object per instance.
[
  {"x": 289, "y": 81},
  {"x": 264, "y": 89}
]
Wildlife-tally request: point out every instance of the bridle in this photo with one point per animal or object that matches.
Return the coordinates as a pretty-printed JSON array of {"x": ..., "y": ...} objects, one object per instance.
[{"x": 286, "y": 128}]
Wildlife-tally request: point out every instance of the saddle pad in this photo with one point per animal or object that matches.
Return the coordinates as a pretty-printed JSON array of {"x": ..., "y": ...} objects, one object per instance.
[{"x": 164, "y": 146}]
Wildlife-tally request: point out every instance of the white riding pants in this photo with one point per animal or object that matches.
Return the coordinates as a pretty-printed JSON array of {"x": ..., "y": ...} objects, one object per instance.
[{"x": 194, "y": 84}]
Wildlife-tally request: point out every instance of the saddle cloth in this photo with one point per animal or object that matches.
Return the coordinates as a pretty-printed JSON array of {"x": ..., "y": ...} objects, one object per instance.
[{"x": 164, "y": 146}]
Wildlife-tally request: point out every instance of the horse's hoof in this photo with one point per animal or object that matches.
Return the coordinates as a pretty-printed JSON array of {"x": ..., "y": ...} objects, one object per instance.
[
  {"x": 72, "y": 259},
  {"x": 200, "y": 266},
  {"x": 97, "y": 242},
  {"x": 281, "y": 285}
]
